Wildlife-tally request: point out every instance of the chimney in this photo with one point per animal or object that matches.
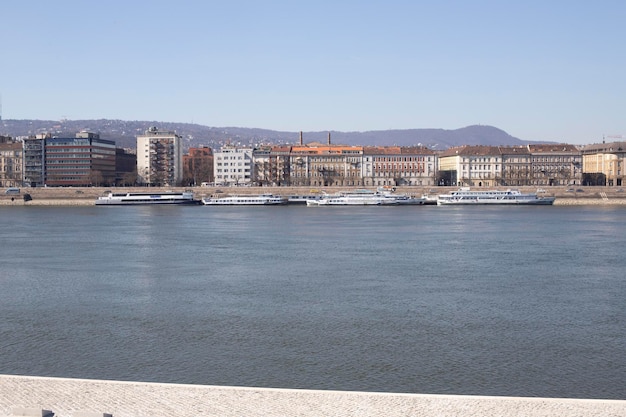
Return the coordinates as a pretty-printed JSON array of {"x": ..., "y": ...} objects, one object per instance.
[
  {"x": 329, "y": 138},
  {"x": 300, "y": 138}
]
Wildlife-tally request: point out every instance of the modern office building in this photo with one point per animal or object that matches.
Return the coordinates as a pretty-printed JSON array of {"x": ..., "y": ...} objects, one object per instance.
[
  {"x": 85, "y": 160},
  {"x": 159, "y": 158}
]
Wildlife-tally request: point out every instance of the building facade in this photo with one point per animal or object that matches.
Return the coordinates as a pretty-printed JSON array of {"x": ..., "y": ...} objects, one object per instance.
[
  {"x": 233, "y": 166},
  {"x": 85, "y": 160},
  {"x": 475, "y": 166},
  {"x": 198, "y": 166},
  {"x": 558, "y": 164},
  {"x": 35, "y": 160},
  {"x": 604, "y": 163},
  {"x": 398, "y": 166},
  {"x": 159, "y": 158},
  {"x": 11, "y": 162},
  {"x": 516, "y": 166}
]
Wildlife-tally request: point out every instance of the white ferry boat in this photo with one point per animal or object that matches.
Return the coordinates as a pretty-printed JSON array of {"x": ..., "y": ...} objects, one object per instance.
[
  {"x": 466, "y": 196},
  {"x": 129, "y": 199},
  {"x": 353, "y": 198},
  {"x": 400, "y": 199},
  {"x": 245, "y": 200},
  {"x": 302, "y": 198}
]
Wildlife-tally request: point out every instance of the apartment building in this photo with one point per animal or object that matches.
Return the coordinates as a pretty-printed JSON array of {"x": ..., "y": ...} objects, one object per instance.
[
  {"x": 604, "y": 163},
  {"x": 398, "y": 166},
  {"x": 272, "y": 165},
  {"x": 324, "y": 165},
  {"x": 10, "y": 162},
  {"x": 488, "y": 166},
  {"x": 198, "y": 166},
  {"x": 159, "y": 158},
  {"x": 516, "y": 166},
  {"x": 34, "y": 164},
  {"x": 556, "y": 164},
  {"x": 476, "y": 166},
  {"x": 233, "y": 165}
]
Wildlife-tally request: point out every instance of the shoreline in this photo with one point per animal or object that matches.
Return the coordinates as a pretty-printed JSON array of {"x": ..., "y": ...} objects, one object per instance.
[
  {"x": 68, "y": 397},
  {"x": 86, "y": 196}
]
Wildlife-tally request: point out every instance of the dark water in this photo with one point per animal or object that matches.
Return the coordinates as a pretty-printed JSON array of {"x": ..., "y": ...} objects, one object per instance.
[{"x": 522, "y": 301}]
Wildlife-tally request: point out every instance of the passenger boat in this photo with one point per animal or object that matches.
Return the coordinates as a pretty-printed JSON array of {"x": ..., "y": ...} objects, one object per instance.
[
  {"x": 400, "y": 199},
  {"x": 245, "y": 200},
  {"x": 353, "y": 198},
  {"x": 466, "y": 196},
  {"x": 302, "y": 198},
  {"x": 407, "y": 200},
  {"x": 129, "y": 199}
]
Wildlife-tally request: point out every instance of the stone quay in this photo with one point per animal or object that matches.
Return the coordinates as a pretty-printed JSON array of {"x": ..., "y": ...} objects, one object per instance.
[{"x": 86, "y": 196}]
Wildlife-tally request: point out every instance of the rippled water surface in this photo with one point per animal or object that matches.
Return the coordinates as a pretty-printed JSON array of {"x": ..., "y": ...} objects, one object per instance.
[{"x": 527, "y": 301}]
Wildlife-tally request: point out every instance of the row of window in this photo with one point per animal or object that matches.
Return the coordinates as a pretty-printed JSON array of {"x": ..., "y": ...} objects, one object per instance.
[{"x": 232, "y": 170}]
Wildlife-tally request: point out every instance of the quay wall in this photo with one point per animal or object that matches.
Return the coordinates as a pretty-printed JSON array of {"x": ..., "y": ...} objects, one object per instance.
[
  {"x": 80, "y": 397},
  {"x": 86, "y": 196}
]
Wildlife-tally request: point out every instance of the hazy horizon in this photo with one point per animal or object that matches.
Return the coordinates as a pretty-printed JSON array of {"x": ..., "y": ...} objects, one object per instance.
[{"x": 539, "y": 71}]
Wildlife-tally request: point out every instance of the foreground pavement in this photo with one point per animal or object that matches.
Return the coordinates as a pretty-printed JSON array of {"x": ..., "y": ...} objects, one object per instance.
[{"x": 76, "y": 397}]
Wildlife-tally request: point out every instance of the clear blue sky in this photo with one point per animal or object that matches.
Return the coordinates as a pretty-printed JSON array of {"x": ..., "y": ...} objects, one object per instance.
[{"x": 540, "y": 70}]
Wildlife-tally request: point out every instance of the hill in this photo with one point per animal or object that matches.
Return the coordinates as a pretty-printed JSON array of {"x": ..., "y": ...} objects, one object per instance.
[{"x": 124, "y": 134}]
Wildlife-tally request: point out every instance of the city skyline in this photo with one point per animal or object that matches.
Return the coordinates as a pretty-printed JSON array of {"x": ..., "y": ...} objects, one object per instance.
[{"x": 540, "y": 71}]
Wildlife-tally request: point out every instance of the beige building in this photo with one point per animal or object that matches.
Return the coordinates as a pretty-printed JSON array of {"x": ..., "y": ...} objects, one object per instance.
[
  {"x": 604, "y": 163},
  {"x": 11, "y": 171},
  {"x": 488, "y": 166},
  {"x": 476, "y": 166},
  {"x": 159, "y": 158}
]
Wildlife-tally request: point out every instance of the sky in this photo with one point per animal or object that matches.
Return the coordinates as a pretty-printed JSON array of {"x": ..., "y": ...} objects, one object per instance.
[{"x": 540, "y": 70}]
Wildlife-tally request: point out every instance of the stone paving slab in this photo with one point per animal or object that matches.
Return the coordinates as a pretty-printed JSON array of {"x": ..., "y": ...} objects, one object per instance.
[{"x": 73, "y": 397}]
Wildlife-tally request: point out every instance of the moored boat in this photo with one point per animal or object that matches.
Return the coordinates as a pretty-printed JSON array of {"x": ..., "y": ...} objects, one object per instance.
[
  {"x": 129, "y": 199},
  {"x": 400, "y": 199},
  {"x": 302, "y": 198},
  {"x": 465, "y": 196},
  {"x": 245, "y": 200},
  {"x": 353, "y": 198}
]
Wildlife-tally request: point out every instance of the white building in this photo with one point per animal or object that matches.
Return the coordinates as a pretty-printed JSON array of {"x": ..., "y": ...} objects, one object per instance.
[
  {"x": 233, "y": 166},
  {"x": 159, "y": 158}
]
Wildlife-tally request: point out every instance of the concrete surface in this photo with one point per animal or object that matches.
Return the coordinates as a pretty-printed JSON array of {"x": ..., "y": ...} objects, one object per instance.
[{"x": 74, "y": 397}]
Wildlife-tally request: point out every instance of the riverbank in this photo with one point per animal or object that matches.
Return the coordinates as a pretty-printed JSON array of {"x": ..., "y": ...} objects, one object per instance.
[
  {"x": 71, "y": 397},
  {"x": 86, "y": 196}
]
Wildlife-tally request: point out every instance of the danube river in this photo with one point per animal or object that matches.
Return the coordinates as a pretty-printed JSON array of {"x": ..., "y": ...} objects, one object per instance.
[{"x": 513, "y": 301}]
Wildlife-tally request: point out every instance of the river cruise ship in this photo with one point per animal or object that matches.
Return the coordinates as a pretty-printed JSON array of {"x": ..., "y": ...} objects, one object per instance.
[
  {"x": 465, "y": 196},
  {"x": 245, "y": 200},
  {"x": 353, "y": 198},
  {"x": 129, "y": 199}
]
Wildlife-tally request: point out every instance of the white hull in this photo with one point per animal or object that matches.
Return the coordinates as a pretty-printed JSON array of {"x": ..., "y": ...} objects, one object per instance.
[
  {"x": 349, "y": 202},
  {"x": 496, "y": 197},
  {"x": 245, "y": 200},
  {"x": 365, "y": 198},
  {"x": 541, "y": 201},
  {"x": 130, "y": 199}
]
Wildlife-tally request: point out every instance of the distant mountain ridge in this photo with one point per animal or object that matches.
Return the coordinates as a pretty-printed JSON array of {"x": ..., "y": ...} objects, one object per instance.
[{"x": 124, "y": 134}]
